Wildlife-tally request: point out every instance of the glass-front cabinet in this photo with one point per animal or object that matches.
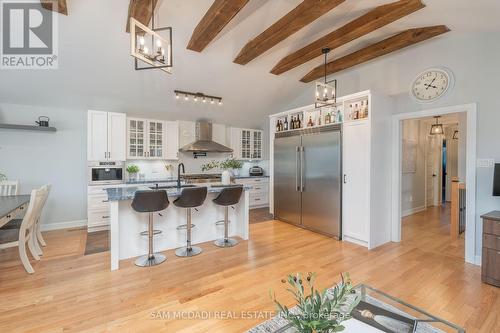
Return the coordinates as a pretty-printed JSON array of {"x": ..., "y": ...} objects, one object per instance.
[
  {"x": 146, "y": 139},
  {"x": 246, "y": 143},
  {"x": 136, "y": 138}
]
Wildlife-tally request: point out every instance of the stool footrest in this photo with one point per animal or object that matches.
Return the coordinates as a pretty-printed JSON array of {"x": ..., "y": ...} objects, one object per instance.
[
  {"x": 184, "y": 226},
  {"x": 146, "y": 233},
  {"x": 221, "y": 222}
]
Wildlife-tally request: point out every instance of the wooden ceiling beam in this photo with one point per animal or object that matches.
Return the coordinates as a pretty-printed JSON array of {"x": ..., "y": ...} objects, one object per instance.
[
  {"x": 371, "y": 21},
  {"x": 216, "y": 18},
  {"x": 141, "y": 11},
  {"x": 389, "y": 45},
  {"x": 305, "y": 13},
  {"x": 62, "y": 7}
]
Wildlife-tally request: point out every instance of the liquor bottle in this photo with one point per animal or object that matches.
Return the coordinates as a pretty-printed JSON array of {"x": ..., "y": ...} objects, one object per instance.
[
  {"x": 356, "y": 111},
  {"x": 278, "y": 125},
  {"x": 319, "y": 120},
  {"x": 351, "y": 112},
  {"x": 310, "y": 122},
  {"x": 327, "y": 118},
  {"x": 362, "y": 110},
  {"x": 285, "y": 124},
  {"x": 298, "y": 123},
  {"x": 366, "y": 109},
  {"x": 294, "y": 122}
]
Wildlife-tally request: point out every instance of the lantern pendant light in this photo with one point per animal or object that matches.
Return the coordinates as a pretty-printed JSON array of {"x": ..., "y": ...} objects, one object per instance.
[
  {"x": 326, "y": 92},
  {"x": 437, "y": 128}
]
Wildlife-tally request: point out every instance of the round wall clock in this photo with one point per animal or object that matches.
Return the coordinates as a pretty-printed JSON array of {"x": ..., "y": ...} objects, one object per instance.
[{"x": 432, "y": 84}]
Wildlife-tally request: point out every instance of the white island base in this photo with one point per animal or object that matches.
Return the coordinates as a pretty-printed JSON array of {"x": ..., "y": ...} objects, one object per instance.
[{"x": 126, "y": 226}]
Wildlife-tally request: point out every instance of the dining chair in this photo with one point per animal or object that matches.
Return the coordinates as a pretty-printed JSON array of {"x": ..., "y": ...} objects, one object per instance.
[
  {"x": 38, "y": 239},
  {"x": 9, "y": 187},
  {"x": 26, "y": 232}
]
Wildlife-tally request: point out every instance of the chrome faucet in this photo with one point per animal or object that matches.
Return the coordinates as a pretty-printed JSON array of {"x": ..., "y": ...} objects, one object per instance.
[{"x": 179, "y": 174}]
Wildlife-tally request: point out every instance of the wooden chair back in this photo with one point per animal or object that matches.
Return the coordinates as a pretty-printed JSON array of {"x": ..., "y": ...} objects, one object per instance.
[{"x": 9, "y": 187}]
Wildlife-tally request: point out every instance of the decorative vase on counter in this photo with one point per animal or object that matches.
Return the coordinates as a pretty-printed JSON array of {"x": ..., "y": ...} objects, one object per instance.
[
  {"x": 236, "y": 172},
  {"x": 226, "y": 177},
  {"x": 132, "y": 177}
]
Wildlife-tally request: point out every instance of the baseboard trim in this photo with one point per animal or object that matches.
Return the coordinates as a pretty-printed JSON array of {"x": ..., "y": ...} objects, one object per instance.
[
  {"x": 412, "y": 211},
  {"x": 64, "y": 225},
  {"x": 477, "y": 260}
]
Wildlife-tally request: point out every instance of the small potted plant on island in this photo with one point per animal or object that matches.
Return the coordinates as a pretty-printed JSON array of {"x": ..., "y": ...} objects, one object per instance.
[
  {"x": 132, "y": 170},
  {"x": 2, "y": 177},
  {"x": 317, "y": 311},
  {"x": 227, "y": 165}
]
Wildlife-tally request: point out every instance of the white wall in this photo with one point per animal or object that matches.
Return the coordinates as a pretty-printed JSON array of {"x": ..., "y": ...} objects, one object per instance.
[
  {"x": 37, "y": 158},
  {"x": 474, "y": 60}
]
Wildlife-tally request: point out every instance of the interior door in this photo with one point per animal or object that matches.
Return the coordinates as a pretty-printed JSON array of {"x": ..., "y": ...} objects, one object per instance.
[
  {"x": 433, "y": 158},
  {"x": 97, "y": 136},
  {"x": 287, "y": 196},
  {"x": 321, "y": 187},
  {"x": 117, "y": 136}
]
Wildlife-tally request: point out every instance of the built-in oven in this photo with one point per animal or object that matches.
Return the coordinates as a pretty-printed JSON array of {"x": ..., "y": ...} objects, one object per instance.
[{"x": 106, "y": 173}]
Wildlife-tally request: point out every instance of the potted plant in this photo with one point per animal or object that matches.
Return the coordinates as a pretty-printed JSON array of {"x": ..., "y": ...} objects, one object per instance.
[
  {"x": 226, "y": 166},
  {"x": 132, "y": 170},
  {"x": 2, "y": 177},
  {"x": 318, "y": 311},
  {"x": 233, "y": 165}
]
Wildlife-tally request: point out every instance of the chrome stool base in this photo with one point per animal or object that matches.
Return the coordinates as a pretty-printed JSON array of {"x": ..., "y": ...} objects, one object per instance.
[
  {"x": 188, "y": 252},
  {"x": 229, "y": 242},
  {"x": 148, "y": 261}
]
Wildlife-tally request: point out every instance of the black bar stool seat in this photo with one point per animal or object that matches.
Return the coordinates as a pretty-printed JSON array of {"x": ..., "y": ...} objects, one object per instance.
[
  {"x": 229, "y": 196},
  {"x": 190, "y": 198},
  {"x": 150, "y": 202}
]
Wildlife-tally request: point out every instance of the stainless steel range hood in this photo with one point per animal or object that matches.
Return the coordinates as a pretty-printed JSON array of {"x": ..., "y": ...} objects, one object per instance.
[{"x": 203, "y": 142}]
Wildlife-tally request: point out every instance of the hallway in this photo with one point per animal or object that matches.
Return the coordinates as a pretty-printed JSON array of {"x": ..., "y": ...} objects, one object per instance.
[{"x": 430, "y": 229}]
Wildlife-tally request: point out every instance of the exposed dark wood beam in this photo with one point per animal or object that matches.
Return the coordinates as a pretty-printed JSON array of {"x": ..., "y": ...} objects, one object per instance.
[
  {"x": 305, "y": 13},
  {"x": 394, "y": 43},
  {"x": 216, "y": 18},
  {"x": 61, "y": 6},
  {"x": 371, "y": 21},
  {"x": 141, "y": 11}
]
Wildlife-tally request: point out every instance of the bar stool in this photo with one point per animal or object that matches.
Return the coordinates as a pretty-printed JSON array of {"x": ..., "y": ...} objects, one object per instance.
[
  {"x": 150, "y": 202},
  {"x": 191, "y": 197},
  {"x": 229, "y": 196}
]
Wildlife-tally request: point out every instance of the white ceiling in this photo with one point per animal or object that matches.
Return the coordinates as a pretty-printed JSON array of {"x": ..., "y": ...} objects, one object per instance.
[{"x": 96, "y": 70}]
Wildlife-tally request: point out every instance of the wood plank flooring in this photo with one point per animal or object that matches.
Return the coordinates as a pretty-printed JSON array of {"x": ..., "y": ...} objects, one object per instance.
[{"x": 70, "y": 292}]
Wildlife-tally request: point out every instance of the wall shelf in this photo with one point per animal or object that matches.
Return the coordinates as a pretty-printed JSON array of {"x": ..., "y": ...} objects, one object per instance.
[{"x": 28, "y": 128}]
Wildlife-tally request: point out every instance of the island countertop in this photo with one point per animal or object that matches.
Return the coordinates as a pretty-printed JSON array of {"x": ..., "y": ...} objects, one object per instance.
[{"x": 127, "y": 193}]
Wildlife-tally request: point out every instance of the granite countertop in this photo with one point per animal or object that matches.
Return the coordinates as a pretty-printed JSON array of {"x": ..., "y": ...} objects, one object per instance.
[
  {"x": 11, "y": 203},
  {"x": 127, "y": 193},
  {"x": 245, "y": 177},
  {"x": 152, "y": 181}
]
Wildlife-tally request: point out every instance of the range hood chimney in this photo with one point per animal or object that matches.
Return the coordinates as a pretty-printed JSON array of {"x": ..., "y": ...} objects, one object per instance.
[{"x": 203, "y": 142}]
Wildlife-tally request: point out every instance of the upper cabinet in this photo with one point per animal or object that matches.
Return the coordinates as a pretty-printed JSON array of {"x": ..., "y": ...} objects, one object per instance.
[
  {"x": 246, "y": 143},
  {"x": 106, "y": 135},
  {"x": 152, "y": 139}
]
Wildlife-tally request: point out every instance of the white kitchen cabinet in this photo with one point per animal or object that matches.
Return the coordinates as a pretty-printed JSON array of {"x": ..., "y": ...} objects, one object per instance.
[
  {"x": 356, "y": 181},
  {"x": 106, "y": 133},
  {"x": 246, "y": 143},
  {"x": 259, "y": 194},
  {"x": 152, "y": 139}
]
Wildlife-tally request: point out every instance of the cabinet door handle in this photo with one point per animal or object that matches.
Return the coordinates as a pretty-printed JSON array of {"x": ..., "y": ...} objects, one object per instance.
[
  {"x": 257, "y": 199},
  {"x": 105, "y": 201},
  {"x": 105, "y": 217},
  {"x": 345, "y": 179}
]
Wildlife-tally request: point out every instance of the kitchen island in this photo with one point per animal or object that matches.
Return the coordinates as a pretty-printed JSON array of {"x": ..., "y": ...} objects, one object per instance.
[{"x": 126, "y": 224}]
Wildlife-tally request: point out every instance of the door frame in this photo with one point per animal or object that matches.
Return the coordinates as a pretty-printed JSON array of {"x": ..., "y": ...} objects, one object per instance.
[{"x": 470, "y": 179}]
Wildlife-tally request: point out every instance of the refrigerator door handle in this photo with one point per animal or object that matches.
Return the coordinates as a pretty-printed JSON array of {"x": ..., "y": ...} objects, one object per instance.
[
  {"x": 297, "y": 168},
  {"x": 345, "y": 179},
  {"x": 302, "y": 169}
]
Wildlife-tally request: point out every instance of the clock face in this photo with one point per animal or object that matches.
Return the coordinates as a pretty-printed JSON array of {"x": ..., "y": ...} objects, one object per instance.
[{"x": 431, "y": 85}]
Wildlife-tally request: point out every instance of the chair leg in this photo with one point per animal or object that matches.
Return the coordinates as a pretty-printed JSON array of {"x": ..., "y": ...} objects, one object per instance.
[
  {"x": 226, "y": 241},
  {"x": 151, "y": 259},
  {"x": 37, "y": 246},
  {"x": 31, "y": 247},
  {"x": 24, "y": 257},
  {"x": 189, "y": 250},
  {"x": 39, "y": 236}
]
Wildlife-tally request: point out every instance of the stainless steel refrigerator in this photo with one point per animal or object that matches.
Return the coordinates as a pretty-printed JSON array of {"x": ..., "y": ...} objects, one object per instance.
[{"x": 307, "y": 179}]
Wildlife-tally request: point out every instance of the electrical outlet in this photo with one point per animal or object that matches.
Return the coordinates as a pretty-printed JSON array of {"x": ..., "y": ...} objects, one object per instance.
[{"x": 485, "y": 163}]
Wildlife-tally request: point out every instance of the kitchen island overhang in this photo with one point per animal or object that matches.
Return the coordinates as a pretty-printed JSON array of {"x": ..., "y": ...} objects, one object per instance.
[{"x": 126, "y": 224}]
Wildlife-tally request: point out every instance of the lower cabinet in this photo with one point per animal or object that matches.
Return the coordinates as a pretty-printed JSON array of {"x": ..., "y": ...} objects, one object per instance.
[
  {"x": 97, "y": 208},
  {"x": 259, "y": 194}
]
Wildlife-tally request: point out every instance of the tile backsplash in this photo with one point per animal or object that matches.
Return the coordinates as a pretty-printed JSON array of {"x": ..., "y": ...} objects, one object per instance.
[{"x": 156, "y": 169}]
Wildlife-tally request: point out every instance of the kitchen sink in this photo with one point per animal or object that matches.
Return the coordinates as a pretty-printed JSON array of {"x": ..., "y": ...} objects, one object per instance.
[{"x": 170, "y": 187}]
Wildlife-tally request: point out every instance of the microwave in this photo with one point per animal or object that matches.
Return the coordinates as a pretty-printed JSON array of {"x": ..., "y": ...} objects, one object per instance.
[{"x": 106, "y": 173}]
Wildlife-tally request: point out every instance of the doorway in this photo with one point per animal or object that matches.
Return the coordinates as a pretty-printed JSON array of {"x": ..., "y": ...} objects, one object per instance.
[{"x": 434, "y": 186}]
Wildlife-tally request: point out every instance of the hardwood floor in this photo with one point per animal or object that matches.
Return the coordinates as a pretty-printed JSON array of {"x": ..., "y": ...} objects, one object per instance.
[{"x": 70, "y": 292}]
